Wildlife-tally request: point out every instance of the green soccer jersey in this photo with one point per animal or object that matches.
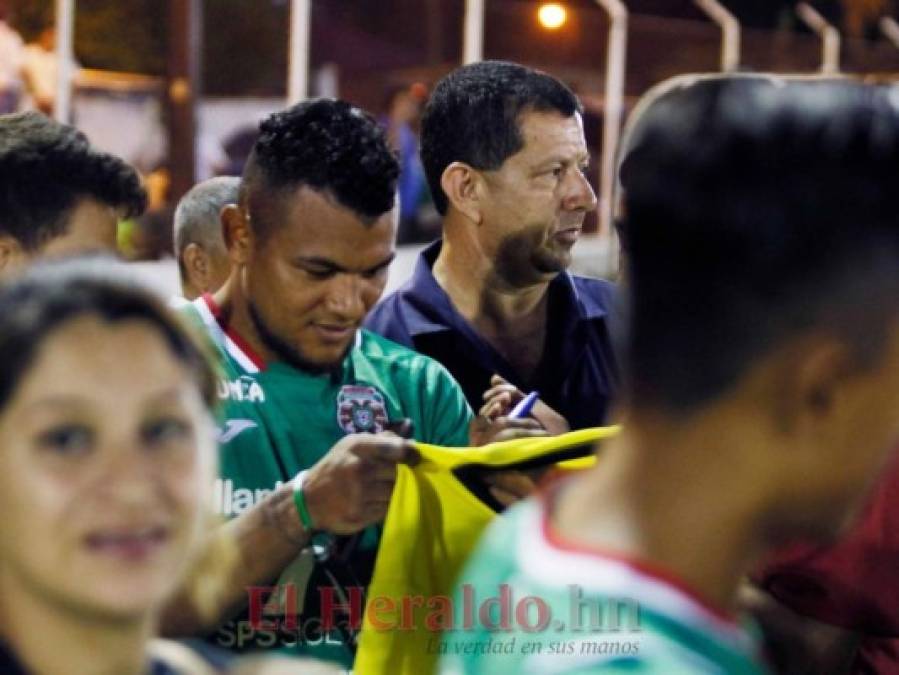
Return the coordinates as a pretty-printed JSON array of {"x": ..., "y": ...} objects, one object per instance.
[
  {"x": 277, "y": 421},
  {"x": 529, "y": 603}
]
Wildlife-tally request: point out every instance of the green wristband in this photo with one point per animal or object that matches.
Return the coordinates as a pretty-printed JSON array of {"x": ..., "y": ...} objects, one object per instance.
[{"x": 299, "y": 500}]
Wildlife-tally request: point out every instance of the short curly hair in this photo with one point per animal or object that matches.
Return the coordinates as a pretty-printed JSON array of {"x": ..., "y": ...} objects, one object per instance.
[
  {"x": 330, "y": 146},
  {"x": 45, "y": 168}
]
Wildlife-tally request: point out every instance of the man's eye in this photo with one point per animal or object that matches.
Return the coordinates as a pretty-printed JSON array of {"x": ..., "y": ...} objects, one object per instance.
[
  {"x": 320, "y": 274},
  {"x": 558, "y": 171},
  {"x": 375, "y": 273},
  {"x": 165, "y": 430},
  {"x": 69, "y": 439}
]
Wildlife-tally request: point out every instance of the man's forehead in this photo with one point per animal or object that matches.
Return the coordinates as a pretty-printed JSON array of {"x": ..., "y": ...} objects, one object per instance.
[
  {"x": 548, "y": 131},
  {"x": 293, "y": 200},
  {"x": 305, "y": 215},
  {"x": 321, "y": 204}
]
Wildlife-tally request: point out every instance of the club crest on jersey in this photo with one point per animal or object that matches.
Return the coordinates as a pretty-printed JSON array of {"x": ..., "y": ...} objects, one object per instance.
[{"x": 361, "y": 409}]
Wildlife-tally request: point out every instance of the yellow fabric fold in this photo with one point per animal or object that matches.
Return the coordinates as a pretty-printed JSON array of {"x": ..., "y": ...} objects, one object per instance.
[{"x": 432, "y": 525}]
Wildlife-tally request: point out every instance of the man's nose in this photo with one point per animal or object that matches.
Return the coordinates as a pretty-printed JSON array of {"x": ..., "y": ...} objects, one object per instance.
[
  {"x": 344, "y": 297},
  {"x": 580, "y": 195}
]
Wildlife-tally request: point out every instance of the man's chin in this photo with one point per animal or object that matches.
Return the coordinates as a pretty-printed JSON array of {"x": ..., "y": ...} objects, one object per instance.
[
  {"x": 553, "y": 261},
  {"x": 312, "y": 357},
  {"x": 318, "y": 361},
  {"x": 325, "y": 363}
]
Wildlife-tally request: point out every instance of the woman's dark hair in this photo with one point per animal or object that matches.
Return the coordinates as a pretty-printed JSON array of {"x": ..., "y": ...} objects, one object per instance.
[{"x": 51, "y": 295}]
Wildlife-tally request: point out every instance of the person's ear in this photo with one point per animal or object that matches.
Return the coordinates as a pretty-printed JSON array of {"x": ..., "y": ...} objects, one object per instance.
[
  {"x": 12, "y": 256},
  {"x": 238, "y": 234},
  {"x": 821, "y": 374},
  {"x": 463, "y": 187},
  {"x": 196, "y": 265},
  {"x": 806, "y": 390},
  {"x": 799, "y": 390}
]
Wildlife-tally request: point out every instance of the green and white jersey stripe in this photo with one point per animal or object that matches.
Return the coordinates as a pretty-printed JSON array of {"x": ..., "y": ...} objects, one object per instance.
[{"x": 576, "y": 611}]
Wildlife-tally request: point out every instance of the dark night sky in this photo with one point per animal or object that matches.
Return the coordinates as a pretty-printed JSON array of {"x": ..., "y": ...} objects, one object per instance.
[{"x": 245, "y": 48}]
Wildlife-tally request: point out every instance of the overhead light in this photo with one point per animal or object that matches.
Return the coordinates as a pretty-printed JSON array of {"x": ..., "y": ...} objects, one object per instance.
[{"x": 552, "y": 15}]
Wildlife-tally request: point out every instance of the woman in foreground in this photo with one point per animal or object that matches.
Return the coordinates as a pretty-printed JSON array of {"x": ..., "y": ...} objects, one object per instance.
[{"x": 106, "y": 461}]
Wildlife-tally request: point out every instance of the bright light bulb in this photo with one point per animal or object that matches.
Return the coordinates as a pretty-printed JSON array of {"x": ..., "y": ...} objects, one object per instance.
[{"x": 551, "y": 15}]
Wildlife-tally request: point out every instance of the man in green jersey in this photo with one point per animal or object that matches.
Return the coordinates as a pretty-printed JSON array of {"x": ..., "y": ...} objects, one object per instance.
[
  {"x": 306, "y": 468},
  {"x": 762, "y": 383}
]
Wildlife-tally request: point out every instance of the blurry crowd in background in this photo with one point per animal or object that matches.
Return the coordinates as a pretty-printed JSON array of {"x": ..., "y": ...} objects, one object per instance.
[
  {"x": 27, "y": 71},
  {"x": 28, "y": 81},
  {"x": 381, "y": 55}
]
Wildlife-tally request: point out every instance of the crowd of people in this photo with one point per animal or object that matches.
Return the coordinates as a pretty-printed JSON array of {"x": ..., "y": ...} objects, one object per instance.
[
  {"x": 199, "y": 485},
  {"x": 28, "y": 72}
]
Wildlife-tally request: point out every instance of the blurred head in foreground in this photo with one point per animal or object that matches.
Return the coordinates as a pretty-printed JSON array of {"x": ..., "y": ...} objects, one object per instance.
[
  {"x": 762, "y": 239},
  {"x": 106, "y": 465}
]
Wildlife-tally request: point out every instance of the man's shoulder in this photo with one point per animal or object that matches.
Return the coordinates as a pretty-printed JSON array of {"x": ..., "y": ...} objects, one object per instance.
[
  {"x": 190, "y": 314},
  {"x": 388, "y": 309},
  {"x": 642, "y": 630},
  {"x": 387, "y": 354},
  {"x": 178, "y": 303},
  {"x": 416, "y": 306},
  {"x": 497, "y": 556},
  {"x": 395, "y": 315},
  {"x": 628, "y": 638},
  {"x": 187, "y": 308},
  {"x": 200, "y": 323}
]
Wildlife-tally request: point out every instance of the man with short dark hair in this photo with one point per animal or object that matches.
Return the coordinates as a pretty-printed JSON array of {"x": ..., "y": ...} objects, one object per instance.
[
  {"x": 306, "y": 469},
  {"x": 59, "y": 195},
  {"x": 760, "y": 392},
  {"x": 504, "y": 152},
  {"x": 199, "y": 246}
]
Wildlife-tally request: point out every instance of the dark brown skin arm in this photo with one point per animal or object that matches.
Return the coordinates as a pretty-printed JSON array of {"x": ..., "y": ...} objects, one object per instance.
[
  {"x": 267, "y": 537},
  {"x": 346, "y": 491}
]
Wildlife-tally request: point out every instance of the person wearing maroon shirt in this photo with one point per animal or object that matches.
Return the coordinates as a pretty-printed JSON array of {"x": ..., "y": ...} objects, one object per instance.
[{"x": 851, "y": 584}]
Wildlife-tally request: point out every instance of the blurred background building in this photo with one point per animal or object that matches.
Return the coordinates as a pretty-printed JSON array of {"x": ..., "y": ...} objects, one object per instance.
[{"x": 178, "y": 86}]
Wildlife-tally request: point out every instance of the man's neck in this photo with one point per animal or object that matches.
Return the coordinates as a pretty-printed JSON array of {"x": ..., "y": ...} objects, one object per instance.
[
  {"x": 673, "y": 500},
  {"x": 80, "y": 643},
  {"x": 511, "y": 319},
  {"x": 236, "y": 316},
  {"x": 469, "y": 278}
]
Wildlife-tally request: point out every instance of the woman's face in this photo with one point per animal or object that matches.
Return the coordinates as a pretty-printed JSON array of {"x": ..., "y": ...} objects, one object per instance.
[{"x": 106, "y": 459}]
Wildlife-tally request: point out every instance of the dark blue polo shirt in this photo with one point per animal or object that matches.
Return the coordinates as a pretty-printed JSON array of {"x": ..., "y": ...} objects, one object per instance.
[{"x": 577, "y": 375}]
